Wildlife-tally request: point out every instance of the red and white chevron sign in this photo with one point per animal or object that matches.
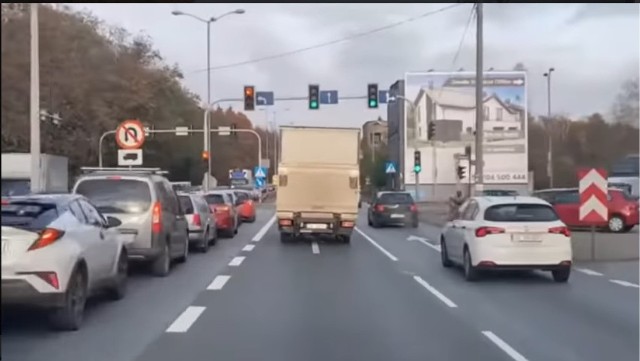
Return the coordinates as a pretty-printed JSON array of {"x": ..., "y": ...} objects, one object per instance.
[{"x": 593, "y": 195}]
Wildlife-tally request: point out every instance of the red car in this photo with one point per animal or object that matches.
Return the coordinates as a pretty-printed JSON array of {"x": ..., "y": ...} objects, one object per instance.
[
  {"x": 246, "y": 207},
  {"x": 222, "y": 205},
  {"x": 623, "y": 208}
]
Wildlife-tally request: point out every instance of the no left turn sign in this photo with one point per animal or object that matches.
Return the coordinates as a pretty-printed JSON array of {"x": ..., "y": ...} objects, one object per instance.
[{"x": 130, "y": 134}]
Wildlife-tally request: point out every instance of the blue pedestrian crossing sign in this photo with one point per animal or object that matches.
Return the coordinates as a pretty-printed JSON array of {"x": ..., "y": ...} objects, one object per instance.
[
  {"x": 260, "y": 172},
  {"x": 390, "y": 168}
]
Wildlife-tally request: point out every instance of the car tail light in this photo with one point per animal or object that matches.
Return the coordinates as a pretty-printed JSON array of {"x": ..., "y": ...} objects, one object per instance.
[
  {"x": 285, "y": 222},
  {"x": 114, "y": 177},
  {"x": 560, "y": 230},
  {"x": 46, "y": 237},
  {"x": 222, "y": 209},
  {"x": 380, "y": 208},
  {"x": 156, "y": 218},
  {"x": 413, "y": 208},
  {"x": 196, "y": 220},
  {"x": 484, "y": 231},
  {"x": 5, "y": 202}
]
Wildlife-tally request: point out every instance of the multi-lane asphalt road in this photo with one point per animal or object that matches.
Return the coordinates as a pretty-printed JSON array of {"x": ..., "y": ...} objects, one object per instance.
[{"x": 383, "y": 297}]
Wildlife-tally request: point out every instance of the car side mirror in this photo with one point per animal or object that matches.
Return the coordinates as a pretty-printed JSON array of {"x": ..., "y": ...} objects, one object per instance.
[{"x": 113, "y": 222}]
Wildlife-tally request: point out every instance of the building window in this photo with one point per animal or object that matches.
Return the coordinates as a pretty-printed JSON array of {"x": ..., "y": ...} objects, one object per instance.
[
  {"x": 513, "y": 128},
  {"x": 498, "y": 128},
  {"x": 486, "y": 113},
  {"x": 377, "y": 138},
  {"x": 499, "y": 114}
]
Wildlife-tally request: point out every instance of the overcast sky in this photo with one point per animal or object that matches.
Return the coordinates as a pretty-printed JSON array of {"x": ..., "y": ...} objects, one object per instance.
[{"x": 594, "y": 48}]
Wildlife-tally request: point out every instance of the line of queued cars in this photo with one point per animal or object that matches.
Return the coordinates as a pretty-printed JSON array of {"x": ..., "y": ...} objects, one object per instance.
[{"x": 60, "y": 249}]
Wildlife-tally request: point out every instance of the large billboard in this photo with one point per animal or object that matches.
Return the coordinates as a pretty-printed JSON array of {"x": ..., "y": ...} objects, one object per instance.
[{"x": 448, "y": 100}]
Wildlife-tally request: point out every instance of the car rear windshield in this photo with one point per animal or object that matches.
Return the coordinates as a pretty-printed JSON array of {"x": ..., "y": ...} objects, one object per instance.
[
  {"x": 186, "y": 204},
  {"x": 500, "y": 193},
  {"x": 520, "y": 213},
  {"x": 214, "y": 199},
  {"x": 117, "y": 195},
  {"x": 28, "y": 216},
  {"x": 395, "y": 198}
]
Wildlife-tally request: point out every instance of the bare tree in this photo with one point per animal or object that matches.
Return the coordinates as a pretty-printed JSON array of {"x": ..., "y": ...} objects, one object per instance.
[{"x": 625, "y": 108}]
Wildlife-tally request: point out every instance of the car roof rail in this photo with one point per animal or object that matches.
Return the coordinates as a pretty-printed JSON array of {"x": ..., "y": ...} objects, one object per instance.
[{"x": 123, "y": 170}]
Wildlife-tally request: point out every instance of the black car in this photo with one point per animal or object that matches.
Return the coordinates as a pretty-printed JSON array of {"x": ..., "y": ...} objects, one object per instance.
[{"x": 392, "y": 208}]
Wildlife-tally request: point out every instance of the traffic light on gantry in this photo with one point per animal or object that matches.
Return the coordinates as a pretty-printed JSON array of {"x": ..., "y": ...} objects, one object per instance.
[
  {"x": 372, "y": 97},
  {"x": 431, "y": 130},
  {"x": 249, "y": 98},
  {"x": 461, "y": 172},
  {"x": 314, "y": 96},
  {"x": 417, "y": 162}
]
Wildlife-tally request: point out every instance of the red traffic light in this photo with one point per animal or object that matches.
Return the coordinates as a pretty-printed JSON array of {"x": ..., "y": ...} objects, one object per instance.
[{"x": 205, "y": 155}]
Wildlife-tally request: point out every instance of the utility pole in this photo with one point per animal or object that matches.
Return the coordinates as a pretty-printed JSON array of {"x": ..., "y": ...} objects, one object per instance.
[
  {"x": 479, "y": 102},
  {"x": 35, "y": 101},
  {"x": 549, "y": 125}
]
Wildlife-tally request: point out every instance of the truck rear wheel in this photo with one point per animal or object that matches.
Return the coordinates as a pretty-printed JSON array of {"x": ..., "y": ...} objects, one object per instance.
[{"x": 286, "y": 237}]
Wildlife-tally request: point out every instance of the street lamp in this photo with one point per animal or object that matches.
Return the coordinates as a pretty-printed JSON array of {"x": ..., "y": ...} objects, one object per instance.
[
  {"x": 549, "y": 134},
  {"x": 206, "y": 117}
]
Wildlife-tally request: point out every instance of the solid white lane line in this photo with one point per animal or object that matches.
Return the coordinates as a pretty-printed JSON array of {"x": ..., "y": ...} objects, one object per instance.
[
  {"x": 315, "y": 248},
  {"x": 386, "y": 253},
  {"x": 504, "y": 346},
  {"x": 186, "y": 319},
  {"x": 435, "y": 292},
  {"x": 236, "y": 261},
  {"x": 625, "y": 283},
  {"x": 249, "y": 247},
  {"x": 589, "y": 272},
  {"x": 218, "y": 282},
  {"x": 263, "y": 230}
]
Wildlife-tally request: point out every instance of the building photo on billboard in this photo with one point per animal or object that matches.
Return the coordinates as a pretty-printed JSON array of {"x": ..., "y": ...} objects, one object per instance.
[{"x": 440, "y": 118}]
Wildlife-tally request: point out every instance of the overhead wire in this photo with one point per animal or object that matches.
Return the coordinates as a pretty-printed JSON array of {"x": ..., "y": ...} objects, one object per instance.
[{"x": 332, "y": 42}]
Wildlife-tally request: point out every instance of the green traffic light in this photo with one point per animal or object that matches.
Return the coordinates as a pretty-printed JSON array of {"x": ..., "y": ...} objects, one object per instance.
[
  {"x": 313, "y": 105},
  {"x": 373, "y": 103},
  {"x": 417, "y": 169}
]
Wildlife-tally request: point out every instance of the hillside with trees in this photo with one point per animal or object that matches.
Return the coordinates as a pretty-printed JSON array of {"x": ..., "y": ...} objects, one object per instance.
[{"x": 95, "y": 76}]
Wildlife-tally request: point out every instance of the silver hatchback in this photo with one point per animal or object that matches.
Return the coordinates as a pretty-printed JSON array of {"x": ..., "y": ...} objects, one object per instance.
[
  {"x": 149, "y": 210},
  {"x": 202, "y": 223}
]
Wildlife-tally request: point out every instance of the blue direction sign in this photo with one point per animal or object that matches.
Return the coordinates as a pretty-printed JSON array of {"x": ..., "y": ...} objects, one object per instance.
[
  {"x": 259, "y": 182},
  {"x": 260, "y": 172},
  {"x": 264, "y": 98},
  {"x": 328, "y": 97},
  {"x": 383, "y": 96},
  {"x": 390, "y": 168}
]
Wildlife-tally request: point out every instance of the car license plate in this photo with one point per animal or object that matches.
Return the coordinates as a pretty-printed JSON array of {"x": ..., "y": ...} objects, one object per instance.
[
  {"x": 528, "y": 237},
  {"x": 316, "y": 226},
  {"x": 396, "y": 215}
]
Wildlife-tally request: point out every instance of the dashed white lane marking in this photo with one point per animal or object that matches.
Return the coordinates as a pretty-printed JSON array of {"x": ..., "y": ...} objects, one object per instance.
[
  {"x": 424, "y": 241},
  {"x": 504, "y": 346},
  {"x": 625, "y": 283},
  {"x": 263, "y": 230},
  {"x": 386, "y": 253},
  {"x": 236, "y": 261},
  {"x": 435, "y": 292},
  {"x": 186, "y": 319},
  {"x": 249, "y": 247},
  {"x": 589, "y": 272},
  {"x": 315, "y": 248},
  {"x": 218, "y": 282}
]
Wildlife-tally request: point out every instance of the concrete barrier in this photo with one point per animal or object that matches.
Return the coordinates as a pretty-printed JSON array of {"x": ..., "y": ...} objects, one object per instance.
[{"x": 607, "y": 246}]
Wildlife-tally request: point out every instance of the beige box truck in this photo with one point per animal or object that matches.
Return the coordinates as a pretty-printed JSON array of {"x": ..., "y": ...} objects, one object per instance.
[{"x": 318, "y": 176}]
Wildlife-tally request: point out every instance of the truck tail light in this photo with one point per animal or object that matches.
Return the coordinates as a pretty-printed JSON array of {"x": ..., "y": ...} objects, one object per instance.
[{"x": 413, "y": 208}]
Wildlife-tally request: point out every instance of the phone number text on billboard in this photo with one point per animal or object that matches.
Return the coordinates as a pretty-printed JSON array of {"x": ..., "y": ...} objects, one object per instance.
[{"x": 507, "y": 177}]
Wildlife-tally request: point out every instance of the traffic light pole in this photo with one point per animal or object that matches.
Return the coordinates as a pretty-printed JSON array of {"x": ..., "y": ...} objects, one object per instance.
[{"x": 154, "y": 131}]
